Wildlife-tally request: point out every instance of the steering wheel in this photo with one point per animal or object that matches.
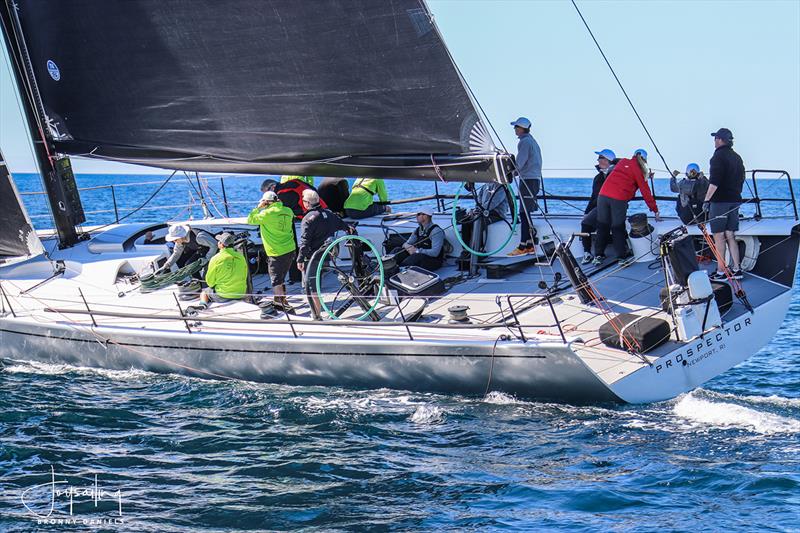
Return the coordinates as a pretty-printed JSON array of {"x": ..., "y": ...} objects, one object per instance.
[
  {"x": 484, "y": 213},
  {"x": 356, "y": 281}
]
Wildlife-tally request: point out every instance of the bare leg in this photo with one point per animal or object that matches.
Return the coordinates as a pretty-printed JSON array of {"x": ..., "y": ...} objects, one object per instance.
[
  {"x": 279, "y": 293},
  {"x": 733, "y": 246},
  {"x": 316, "y": 308},
  {"x": 719, "y": 242}
]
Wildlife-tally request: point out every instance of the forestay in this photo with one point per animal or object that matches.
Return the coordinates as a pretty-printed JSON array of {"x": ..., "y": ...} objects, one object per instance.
[{"x": 334, "y": 87}]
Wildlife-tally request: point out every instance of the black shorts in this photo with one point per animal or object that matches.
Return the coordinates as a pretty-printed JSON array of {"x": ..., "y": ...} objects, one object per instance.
[
  {"x": 724, "y": 216},
  {"x": 278, "y": 267}
]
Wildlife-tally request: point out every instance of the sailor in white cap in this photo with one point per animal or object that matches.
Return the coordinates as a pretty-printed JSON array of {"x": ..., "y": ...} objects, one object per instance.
[
  {"x": 190, "y": 244},
  {"x": 425, "y": 247},
  {"x": 529, "y": 168}
]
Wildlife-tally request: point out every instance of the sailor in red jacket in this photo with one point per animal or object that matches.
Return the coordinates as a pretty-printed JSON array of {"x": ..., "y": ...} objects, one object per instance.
[
  {"x": 290, "y": 193},
  {"x": 612, "y": 205}
]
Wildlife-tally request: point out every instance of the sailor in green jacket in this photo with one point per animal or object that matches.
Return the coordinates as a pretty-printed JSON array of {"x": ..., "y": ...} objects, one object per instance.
[
  {"x": 226, "y": 275},
  {"x": 275, "y": 222},
  {"x": 360, "y": 203}
]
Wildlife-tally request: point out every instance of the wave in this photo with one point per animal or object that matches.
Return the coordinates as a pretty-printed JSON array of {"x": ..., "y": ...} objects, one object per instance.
[
  {"x": 716, "y": 414},
  {"x": 427, "y": 414},
  {"x": 53, "y": 369},
  {"x": 501, "y": 398}
]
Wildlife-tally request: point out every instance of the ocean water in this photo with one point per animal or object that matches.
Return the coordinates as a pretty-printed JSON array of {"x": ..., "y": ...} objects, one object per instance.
[{"x": 137, "y": 451}]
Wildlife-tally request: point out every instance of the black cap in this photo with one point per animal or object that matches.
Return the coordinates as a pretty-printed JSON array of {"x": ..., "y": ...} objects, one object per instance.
[{"x": 723, "y": 133}]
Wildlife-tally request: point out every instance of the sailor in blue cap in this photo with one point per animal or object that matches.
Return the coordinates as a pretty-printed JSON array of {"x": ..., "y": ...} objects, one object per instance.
[
  {"x": 691, "y": 192},
  {"x": 529, "y": 168},
  {"x": 606, "y": 158}
]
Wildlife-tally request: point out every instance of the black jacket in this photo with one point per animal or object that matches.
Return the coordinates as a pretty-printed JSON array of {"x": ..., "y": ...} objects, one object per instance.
[
  {"x": 597, "y": 184},
  {"x": 727, "y": 173},
  {"x": 318, "y": 226}
]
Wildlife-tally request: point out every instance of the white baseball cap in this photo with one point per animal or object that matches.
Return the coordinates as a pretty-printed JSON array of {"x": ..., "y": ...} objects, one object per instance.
[
  {"x": 425, "y": 211},
  {"x": 522, "y": 122},
  {"x": 177, "y": 232},
  {"x": 269, "y": 196}
]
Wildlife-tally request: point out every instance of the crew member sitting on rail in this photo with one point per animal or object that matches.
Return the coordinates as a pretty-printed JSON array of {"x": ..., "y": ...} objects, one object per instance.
[
  {"x": 493, "y": 198},
  {"x": 425, "y": 247},
  {"x": 276, "y": 226},
  {"x": 227, "y": 274},
  {"x": 361, "y": 203},
  {"x": 190, "y": 244},
  {"x": 316, "y": 230},
  {"x": 691, "y": 193},
  {"x": 289, "y": 193},
  {"x": 308, "y": 180},
  {"x": 334, "y": 192},
  {"x": 606, "y": 159},
  {"x": 612, "y": 205}
]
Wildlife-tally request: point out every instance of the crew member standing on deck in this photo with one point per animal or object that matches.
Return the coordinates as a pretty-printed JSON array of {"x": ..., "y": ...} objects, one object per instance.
[
  {"x": 316, "y": 230},
  {"x": 612, "y": 205},
  {"x": 723, "y": 198},
  {"x": 276, "y": 222},
  {"x": 529, "y": 167},
  {"x": 606, "y": 159}
]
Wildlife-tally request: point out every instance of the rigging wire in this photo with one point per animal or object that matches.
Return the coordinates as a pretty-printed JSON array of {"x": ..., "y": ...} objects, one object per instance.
[
  {"x": 600, "y": 49},
  {"x": 164, "y": 184}
]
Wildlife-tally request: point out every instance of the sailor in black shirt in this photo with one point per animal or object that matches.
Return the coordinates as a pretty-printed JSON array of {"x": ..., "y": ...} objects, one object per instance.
[
  {"x": 723, "y": 198},
  {"x": 316, "y": 231}
]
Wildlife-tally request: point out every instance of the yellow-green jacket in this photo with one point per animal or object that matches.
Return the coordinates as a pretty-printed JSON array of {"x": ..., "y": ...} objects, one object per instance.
[
  {"x": 276, "y": 228},
  {"x": 227, "y": 273},
  {"x": 307, "y": 179},
  {"x": 363, "y": 190}
]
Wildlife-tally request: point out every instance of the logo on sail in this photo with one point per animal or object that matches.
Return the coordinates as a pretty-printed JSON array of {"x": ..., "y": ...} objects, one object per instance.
[{"x": 53, "y": 69}]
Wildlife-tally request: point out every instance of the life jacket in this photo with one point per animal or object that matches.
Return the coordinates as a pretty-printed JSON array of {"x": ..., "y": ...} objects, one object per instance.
[
  {"x": 193, "y": 250},
  {"x": 424, "y": 240},
  {"x": 290, "y": 193}
]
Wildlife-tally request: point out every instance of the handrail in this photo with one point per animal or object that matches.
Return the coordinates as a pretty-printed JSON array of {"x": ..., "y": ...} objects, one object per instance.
[{"x": 313, "y": 323}]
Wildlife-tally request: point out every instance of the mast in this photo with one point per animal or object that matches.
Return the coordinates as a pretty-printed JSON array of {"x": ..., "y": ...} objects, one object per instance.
[{"x": 56, "y": 172}]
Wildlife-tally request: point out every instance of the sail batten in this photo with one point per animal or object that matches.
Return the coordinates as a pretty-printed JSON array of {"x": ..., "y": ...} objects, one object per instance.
[{"x": 256, "y": 84}]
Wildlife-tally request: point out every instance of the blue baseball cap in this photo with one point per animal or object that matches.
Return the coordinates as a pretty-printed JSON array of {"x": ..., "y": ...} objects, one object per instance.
[
  {"x": 607, "y": 153},
  {"x": 522, "y": 122},
  {"x": 692, "y": 166},
  {"x": 642, "y": 152}
]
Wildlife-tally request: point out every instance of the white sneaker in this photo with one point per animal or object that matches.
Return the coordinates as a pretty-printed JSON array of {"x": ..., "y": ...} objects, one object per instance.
[{"x": 587, "y": 258}]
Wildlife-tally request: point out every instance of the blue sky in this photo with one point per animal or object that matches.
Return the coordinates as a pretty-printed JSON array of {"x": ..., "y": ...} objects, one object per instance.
[{"x": 689, "y": 66}]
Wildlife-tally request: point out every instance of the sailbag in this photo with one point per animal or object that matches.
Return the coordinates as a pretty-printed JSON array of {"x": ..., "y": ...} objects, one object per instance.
[
  {"x": 17, "y": 237},
  {"x": 330, "y": 87}
]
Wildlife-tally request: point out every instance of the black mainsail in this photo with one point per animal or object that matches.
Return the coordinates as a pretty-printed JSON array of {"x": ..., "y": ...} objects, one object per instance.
[{"x": 329, "y": 87}]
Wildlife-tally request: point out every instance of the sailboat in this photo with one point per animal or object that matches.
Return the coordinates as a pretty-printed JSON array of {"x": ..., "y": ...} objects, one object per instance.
[{"x": 338, "y": 88}]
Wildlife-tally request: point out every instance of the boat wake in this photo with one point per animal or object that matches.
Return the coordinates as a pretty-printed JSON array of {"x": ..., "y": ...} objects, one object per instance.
[{"x": 710, "y": 410}]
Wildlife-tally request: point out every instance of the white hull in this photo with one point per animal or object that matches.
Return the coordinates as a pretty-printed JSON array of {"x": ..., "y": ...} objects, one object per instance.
[{"x": 401, "y": 356}]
